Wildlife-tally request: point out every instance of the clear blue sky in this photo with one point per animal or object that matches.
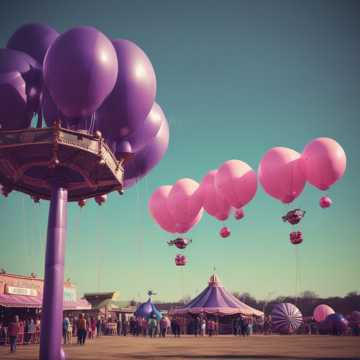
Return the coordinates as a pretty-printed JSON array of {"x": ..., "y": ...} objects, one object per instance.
[{"x": 235, "y": 78}]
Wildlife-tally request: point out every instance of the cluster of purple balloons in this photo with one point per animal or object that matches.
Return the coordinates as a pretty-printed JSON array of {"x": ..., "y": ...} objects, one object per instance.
[{"x": 87, "y": 82}]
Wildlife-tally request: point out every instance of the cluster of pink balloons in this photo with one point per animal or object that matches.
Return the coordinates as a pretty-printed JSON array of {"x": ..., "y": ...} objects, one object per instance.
[
  {"x": 233, "y": 185},
  {"x": 283, "y": 172},
  {"x": 177, "y": 208}
]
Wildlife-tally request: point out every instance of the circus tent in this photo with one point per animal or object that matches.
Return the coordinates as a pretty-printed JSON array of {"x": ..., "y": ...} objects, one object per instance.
[{"x": 216, "y": 300}]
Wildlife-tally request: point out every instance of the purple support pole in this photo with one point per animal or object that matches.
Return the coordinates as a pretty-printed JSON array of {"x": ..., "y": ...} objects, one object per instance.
[{"x": 52, "y": 310}]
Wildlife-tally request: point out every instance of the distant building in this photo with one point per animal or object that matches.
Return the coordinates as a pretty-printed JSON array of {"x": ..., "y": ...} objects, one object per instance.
[{"x": 108, "y": 305}]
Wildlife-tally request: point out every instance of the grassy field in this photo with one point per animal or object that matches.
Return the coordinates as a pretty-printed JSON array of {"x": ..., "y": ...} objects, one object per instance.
[{"x": 220, "y": 347}]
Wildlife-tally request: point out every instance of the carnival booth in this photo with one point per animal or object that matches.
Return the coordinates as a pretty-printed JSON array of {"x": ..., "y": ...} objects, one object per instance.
[
  {"x": 22, "y": 296},
  {"x": 215, "y": 303},
  {"x": 20, "y": 293}
]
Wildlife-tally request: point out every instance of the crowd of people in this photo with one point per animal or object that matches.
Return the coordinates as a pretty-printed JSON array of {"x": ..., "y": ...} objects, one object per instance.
[
  {"x": 20, "y": 331},
  {"x": 27, "y": 331}
]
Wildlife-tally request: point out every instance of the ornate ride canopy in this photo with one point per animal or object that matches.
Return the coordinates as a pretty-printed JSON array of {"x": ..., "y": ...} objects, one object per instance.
[{"x": 31, "y": 159}]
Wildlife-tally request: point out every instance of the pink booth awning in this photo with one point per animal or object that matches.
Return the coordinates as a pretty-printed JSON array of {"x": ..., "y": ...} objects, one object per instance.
[{"x": 21, "y": 301}]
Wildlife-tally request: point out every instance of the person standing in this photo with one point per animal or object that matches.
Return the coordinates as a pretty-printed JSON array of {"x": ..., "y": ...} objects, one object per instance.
[
  {"x": 3, "y": 333},
  {"x": 125, "y": 326},
  {"x": 239, "y": 325},
  {"x": 93, "y": 327},
  {"x": 32, "y": 331},
  {"x": 177, "y": 328},
  {"x": 98, "y": 326},
  {"x": 37, "y": 330},
  {"x": 26, "y": 331},
  {"x": 66, "y": 324},
  {"x": 244, "y": 329},
  {"x": 197, "y": 324},
  {"x": 118, "y": 326},
  {"x": 152, "y": 324},
  {"x": 203, "y": 327},
  {"x": 163, "y": 326},
  {"x": 250, "y": 326},
  {"x": 144, "y": 326},
  {"x": 172, "y": 325},
  {"x": 211, "y": 327},
  {"x": 81, "y": 329},
  {"x": 20, "y": 339},
  {"x": 13, "y": 332}
]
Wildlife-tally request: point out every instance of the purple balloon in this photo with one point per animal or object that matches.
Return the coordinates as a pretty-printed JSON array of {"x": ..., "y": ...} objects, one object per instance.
[
  {"x": 126, "y": 108},
  {"x": 148, "y": 130},
  {"x": 13, "y": 60},
  {"x": 128, "y": 183},
  {"x": 33, "y": 39},
  {"x": 148, "y": 310},
  {"x": 14, "y": 109},
  {"x": 147, "y": 158},
  {"x": 336, "y": 324},
  {"x": 355, "y": 317},
  {"x": 51, "y": 113},
  {"x": 30, "y": 70},
  {"x": 286, "y": 318},
  {"x": 80, "y": 71}
]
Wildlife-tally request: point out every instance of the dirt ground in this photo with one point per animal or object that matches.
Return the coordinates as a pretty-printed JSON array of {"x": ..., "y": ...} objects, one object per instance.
[{"x": 220, "y": 347}]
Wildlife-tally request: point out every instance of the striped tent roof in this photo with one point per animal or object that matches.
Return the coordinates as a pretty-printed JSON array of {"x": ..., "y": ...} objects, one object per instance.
[{"x": 215, "y": 299}]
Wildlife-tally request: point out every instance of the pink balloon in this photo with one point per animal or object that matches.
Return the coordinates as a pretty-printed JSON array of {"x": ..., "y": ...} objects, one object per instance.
[
  {"x": 213, "y": 202},
  {"x": 325, "y": 202},
  {"x": 239, "y": 214},
  {"x": 159, "y": 210},
  {"x": 236, "y": 182},
  {"x": 185, "y": 201},
  {"x": 183, "y": 228},
  {"x": 225, "y": 232},
  {"x": 321, "y": 312},
  {"x": 281, "y": 175},
  {"x": 324, "y": 162}
]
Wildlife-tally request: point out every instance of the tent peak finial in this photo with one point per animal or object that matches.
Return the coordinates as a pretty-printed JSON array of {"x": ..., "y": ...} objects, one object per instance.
[{"x": 214, "y": 280}]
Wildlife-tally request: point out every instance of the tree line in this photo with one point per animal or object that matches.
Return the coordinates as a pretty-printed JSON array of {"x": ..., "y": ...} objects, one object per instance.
[{"x": 306, "y": 302}]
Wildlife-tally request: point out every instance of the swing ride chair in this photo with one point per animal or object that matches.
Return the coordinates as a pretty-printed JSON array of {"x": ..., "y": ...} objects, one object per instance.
[{"x": 31, "y": 158}]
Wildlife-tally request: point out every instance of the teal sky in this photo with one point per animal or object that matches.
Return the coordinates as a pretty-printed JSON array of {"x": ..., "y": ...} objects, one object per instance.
[{"x": 235, "y": 78}]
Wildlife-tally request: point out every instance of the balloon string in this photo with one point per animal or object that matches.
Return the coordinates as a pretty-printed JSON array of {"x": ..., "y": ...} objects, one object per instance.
[
  {"x": 25, "y": 237},
  {"x": 71, "y": 244},
  {"x": 140, "y": 267},
  {"x": 92, "y": 123},
  {"x": 40, "y": 119},
  {"x": 97, "y": 240},
  {"x": 297, "y": 274},
  {"x": 182, "y": 282},
  {"x": 35, "y": 232}
]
